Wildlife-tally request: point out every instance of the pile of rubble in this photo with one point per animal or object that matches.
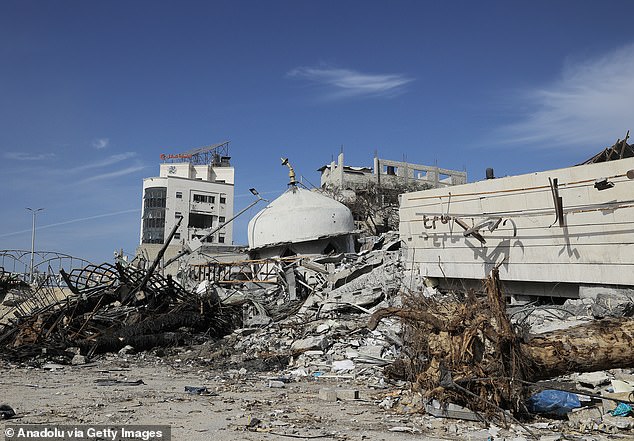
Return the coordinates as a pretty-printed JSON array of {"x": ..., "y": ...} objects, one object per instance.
[
  {"x": 315, "y": 316},
  {"x": 351, "y": 316},
  {"x": 314, "y": 312},
  {"x": 108, "y": 307}
]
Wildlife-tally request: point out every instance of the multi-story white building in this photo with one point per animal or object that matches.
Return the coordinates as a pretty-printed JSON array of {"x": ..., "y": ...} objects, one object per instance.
[{"x": 197, "y": 186}]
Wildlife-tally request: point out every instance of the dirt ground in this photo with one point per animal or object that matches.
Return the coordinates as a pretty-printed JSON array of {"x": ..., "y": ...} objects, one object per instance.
[
  {"x": 71, "y": 395},
  {"x": 236, "y": 400}
]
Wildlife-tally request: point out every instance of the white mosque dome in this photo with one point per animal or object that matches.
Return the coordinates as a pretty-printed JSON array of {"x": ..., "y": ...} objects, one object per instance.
[{"x": 299, "y": 215}]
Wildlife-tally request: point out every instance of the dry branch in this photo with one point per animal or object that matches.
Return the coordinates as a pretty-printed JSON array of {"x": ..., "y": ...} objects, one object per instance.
[{"x": 466, "y": 350}]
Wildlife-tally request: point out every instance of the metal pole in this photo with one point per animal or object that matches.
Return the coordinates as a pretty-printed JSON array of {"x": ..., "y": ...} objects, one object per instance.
[{"x": 33, "y": 212}]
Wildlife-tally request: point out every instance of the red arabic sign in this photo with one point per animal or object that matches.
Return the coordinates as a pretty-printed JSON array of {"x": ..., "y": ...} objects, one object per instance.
[{"x": 177, "y": 156}]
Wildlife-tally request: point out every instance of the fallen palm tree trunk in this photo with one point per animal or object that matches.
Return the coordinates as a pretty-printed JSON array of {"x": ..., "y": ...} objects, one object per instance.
[
  {"x": 600, "y": 345},
  {"x": 465, "y": 349}
]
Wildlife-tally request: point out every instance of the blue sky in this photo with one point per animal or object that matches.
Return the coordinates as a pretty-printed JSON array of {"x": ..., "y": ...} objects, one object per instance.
[{"x": 91, "y": 93}]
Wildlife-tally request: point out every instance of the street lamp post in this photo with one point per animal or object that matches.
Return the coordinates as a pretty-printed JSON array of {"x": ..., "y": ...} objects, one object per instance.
[{"x": 33, "y": 212}]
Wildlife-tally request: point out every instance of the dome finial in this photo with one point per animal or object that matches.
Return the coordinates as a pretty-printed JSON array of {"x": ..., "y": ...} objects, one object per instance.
[{"x": 291, "y": 172}]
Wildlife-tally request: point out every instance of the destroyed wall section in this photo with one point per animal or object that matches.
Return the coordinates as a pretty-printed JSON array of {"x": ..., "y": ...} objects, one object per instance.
[
  {"x": 590, "y": 243},
  {"x": 387, "y": 173}
]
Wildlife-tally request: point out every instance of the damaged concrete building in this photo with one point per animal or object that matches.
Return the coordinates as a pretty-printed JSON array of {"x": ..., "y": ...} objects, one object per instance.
[
  {"x": 553, "y": 233},
  {"x": 196, "y": 188},
  {"x": 308, "y": 309},
  {"x": 372, "y": 192},
  {"x": 387, "y": 173}
]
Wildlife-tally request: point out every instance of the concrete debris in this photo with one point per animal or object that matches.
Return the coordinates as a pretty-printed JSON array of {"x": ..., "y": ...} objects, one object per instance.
[
  {"x": 306, "y": 322},
  {"x": 78, "y": 359},
  {"x": 277, "y": 384}
]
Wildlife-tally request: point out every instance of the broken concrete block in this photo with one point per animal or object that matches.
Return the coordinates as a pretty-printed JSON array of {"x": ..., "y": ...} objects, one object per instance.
[
  {"x": 585, "y": 416},
  {"x": 582, "y": 307},
  {"x": 593, "y": 379},
  {"x": 324, "y": 327},
  {"x": 351, "y": 353},
  {"x": 348, "y": 394},
  {"x": 593, "y": 291},
  {"x": 78, "y": 359},
  {"x": 450, "y": 410},
  {"x": 342, "y": 365},
  {"x": 613, "y": 305},
  {"x": 313, "y": 353},
  {"x": 404, "y": 429},
  {"x": 277, "y": 384},
  {"x": 127, "y": 349},
  {"x": 621, "y": 423},
  {"x": 53, "y": 366},
  {"x": 327, "y": 394},
  {"x": 371, "y": 350},
  {"x": 306, "y": 344}
]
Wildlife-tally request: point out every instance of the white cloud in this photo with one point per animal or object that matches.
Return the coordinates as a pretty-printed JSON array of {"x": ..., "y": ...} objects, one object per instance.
[
  {"x": 589, "y": 106},
  {"x": 345, "y": 83},
  {"x": 100, "y": 143},
  {"x": 23, "y": 156},
  {"x": 113, "y": 159},
  {"x": 115, "y": 174}
]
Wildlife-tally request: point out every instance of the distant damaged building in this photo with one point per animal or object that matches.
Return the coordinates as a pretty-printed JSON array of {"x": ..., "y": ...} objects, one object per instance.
[
  {"x": 195, "y": 187},
  {"x": 553, "y": 233},
  {"x": 372, "y": 192}
]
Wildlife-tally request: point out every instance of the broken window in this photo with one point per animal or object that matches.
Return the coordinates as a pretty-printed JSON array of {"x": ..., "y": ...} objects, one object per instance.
[
  {"x": 223, "y": 198},
  {"x": 420, "y": 174},
  {"x": 154, "y": 197},
  {"x": 221, "y": 219},
  {"x": 204, "y": 198},
  {"x": 154, "y": 215},
  {"x": 179, "y": 195},
  {"x": 221, "y": 239},
  {"x": 390, "y": 170},
  {"x": 178, "y": 214},
  {"x": 198, "y": 220}
]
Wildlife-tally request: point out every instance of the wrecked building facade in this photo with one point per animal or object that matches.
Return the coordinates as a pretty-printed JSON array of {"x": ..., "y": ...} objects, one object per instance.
[
  {"x": 322, "y": 312},
  {"x": 387, "y": 173},
  {"x": 553, "y": 233},
  {"x": 371, "y": 193},
  {"x": 197, "y": 186}
]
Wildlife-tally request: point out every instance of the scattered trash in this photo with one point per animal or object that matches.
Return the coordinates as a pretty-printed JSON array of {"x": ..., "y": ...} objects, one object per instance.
[
  {"x": 6, "y": 412},
  {"x": 451, "y": 410},
  {"x": 404, "y": 429},
  {"x": 553, "y": 402},
  {"x": 196, "y": 390},
  {"x": 111, "y": 382},
  {"x": 622, "y": 410}
]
